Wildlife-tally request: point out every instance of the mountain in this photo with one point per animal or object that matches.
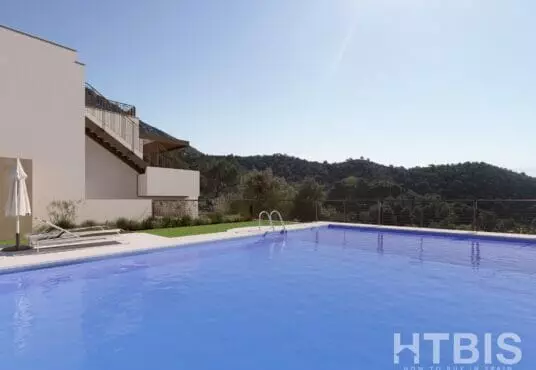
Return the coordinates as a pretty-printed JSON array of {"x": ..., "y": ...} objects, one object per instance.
[{"x": 470, "y": 180}]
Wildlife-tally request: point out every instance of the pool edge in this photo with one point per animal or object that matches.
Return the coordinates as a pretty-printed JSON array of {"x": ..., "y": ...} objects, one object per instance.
[{"x": 102, "y": 253}]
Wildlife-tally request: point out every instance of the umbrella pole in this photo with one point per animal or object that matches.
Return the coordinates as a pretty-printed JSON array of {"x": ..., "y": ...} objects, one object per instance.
[
  {"x": 17, "y": 230},
  {"x": 17, "y": 236}
]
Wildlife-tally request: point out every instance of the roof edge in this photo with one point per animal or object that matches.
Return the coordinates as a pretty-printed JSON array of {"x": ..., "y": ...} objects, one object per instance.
[
  {"x": 37, "y": 38},
  {"x": 148, "y": 131}
]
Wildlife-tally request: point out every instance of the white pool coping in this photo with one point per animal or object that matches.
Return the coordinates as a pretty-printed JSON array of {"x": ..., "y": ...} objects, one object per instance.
[
  {"x": 136, "y": 243},
  {"x": 133, "y": 243}
]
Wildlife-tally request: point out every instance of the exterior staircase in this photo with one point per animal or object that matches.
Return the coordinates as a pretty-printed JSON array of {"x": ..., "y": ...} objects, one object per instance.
[{"x": 115, "y": 127}]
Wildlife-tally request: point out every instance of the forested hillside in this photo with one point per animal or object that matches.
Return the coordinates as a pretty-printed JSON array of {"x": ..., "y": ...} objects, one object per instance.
[
  {"x": 436, "y": 195},
  {"x": 468, "y": 180}
]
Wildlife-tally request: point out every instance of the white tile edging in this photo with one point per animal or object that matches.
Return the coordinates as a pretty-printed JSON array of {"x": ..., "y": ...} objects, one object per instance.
[
  {"x": 446, "y": 232},
  {"x": 139, "y": 243},
  {"x": 132, "y": 244}
]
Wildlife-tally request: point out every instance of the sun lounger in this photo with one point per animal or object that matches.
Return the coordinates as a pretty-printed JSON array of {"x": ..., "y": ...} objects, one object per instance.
[{"x": 60, "y": 237}]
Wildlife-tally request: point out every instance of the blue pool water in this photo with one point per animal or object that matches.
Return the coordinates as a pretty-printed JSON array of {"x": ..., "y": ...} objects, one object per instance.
[{"x": 325, "y": 298}]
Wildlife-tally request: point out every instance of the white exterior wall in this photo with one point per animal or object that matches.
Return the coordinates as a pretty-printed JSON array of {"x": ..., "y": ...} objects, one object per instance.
[
  {"x": 42, "y": 118},
  {"x": 42, "y": 115},
  {"x": 169, "y": 182},
  {"x": 108, "y": 177},
  {"x": 102, "y": 210}
]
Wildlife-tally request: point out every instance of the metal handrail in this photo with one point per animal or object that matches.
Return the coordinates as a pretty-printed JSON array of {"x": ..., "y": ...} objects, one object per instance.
[
  {"x": 128, "y": 109},
  {"x": 121, "y": 125},
  {"x": 276, "y": 212},
  {"x": 269, "y": 218}
]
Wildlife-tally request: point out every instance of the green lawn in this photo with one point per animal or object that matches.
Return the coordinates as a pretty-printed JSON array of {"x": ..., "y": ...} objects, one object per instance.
[
  {"x": 201, "y": 229},
  {"x": 12, "y": 242},
  {"x": 185, "y": 230}
]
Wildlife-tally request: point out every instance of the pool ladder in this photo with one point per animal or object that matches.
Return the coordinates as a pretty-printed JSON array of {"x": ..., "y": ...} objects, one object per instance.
[{"x": 270, "y": 220}]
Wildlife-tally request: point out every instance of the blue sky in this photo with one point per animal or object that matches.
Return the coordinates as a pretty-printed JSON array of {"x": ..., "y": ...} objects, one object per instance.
[{"x": 404, "y": 82}]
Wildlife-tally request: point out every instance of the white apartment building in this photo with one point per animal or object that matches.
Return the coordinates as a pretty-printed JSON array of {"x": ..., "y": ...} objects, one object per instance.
[{"x": 82, "y": 146}]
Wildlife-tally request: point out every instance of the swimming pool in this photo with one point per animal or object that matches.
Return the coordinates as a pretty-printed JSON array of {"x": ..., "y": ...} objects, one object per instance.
[{"x": 322, "y": 298}]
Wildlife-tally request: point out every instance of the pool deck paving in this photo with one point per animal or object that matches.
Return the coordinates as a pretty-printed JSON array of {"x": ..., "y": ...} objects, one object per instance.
[{"x": 137, "y": 243}]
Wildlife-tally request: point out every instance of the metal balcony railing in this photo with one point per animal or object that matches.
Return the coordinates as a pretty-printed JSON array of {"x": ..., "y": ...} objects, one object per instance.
[
  {"x": 95, "y": 99},
  {"x": 119, "y": 126},
  {"x": 114, "y": 117}
]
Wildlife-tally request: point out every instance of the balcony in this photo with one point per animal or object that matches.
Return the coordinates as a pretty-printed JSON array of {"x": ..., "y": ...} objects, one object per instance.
[{"x": 168, "y": 182}]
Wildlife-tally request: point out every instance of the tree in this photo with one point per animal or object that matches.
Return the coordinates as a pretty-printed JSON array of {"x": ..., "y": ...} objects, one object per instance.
[
  {"x": 221, "y": 176},
  {"x": 268, "y": 192},
  {"x": 350, "y": 188},
  {"x": 352, "y": 181},
  {"x": 310, "y": 193}
]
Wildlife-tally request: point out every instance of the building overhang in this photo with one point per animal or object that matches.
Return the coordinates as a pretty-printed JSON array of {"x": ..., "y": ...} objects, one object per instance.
[{"x": 163, "y": 139}]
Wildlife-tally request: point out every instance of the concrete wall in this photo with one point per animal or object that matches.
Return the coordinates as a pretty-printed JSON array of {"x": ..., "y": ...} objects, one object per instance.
[
  {"x": 108, "y": 177},
  {"x": 175, "y": 207},
  {"x": 7, "y": 224},
  {"x": 42, "y": 115},
  {"x": 169, "y": 182},
  {"x": 102, "y": 210}
]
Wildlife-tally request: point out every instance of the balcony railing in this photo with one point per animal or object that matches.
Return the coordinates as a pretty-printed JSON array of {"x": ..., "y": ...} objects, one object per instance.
[
  {"x": 163, "y": 158},
  {"x": 160, "y": 160},
  {"x": 120, "y": 126},
  {"x": 95, "y": 99}
]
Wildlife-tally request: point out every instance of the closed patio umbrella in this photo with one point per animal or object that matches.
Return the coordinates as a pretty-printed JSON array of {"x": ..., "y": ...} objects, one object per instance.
[{"x": 18, "y": 202}]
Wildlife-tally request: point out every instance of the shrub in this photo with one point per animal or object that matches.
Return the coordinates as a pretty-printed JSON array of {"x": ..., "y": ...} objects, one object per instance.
[
  {"x": 243, "y": 207},
  {"x": 134, "y": 225},
  {"x": 150, "y": 223},
  {"x": 175, "y": 222},
  {"x": 64, "y": 224},
  {"x": 110, "y": 224},
  {"x": 166, "y": 222},
  {"x": 122, "y": 223},
  {"x": 364, "y": 216},
  {"x": 233, "y": 218},
  {"x": 203, "y": 220},
  {"x": 88, "y": 223},
  {"x": 186, "y": 221},
  {"x": 63, "y": 213},
  {"x": 128, "y": 225},
  {"x": 464, "y": 227},
  {"x": 216, "y": 217}
]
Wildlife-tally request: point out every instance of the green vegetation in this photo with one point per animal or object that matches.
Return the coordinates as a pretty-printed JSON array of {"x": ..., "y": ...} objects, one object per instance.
[
  {"x": 186, "y": 221},
  {"x": 166, "y": 229},
  {"x": 235, "y": 189},
  {"x": 12, "y": 242},
  {"x": 172, "y": 232},
  {"x": 63, "y": 213},
  {"x": 359, "y": 190},
  {"x": 470, "y": 180},
  {"x": 202, "y": 229}
]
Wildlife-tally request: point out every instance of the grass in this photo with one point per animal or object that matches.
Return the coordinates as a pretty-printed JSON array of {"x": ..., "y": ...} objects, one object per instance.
[
  {"x": 201, "y": 229},
  {"x": 12, "y": 242},
  {"x": 173, "y": 232}
]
